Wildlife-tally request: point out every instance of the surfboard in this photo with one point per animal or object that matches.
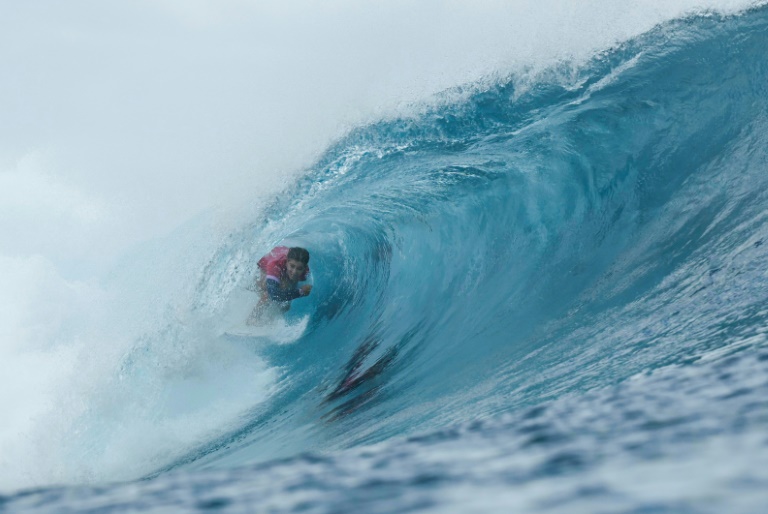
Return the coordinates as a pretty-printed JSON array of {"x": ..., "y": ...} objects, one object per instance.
[
  {"x": 277, "y": 331},
  {"x": 250, "y": 331}
]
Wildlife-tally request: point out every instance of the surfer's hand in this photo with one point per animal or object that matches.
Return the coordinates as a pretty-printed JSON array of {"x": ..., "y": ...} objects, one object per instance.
[{"x": 306, "y": 289}]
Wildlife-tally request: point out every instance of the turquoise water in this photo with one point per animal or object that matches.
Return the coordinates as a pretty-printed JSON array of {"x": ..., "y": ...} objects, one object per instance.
[{"x": 546, "y": 294}]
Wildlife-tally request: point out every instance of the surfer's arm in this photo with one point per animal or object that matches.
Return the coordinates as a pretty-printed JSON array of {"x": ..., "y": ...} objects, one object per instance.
[{"x": 278, "y": 294}]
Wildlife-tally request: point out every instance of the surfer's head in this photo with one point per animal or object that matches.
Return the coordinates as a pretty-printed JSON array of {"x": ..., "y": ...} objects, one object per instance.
[
  {"x": 296, "y": 263},
  {"x": 298, "y": 254}
]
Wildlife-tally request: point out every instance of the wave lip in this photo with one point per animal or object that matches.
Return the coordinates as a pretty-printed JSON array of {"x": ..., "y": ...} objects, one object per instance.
[{"x": 537, "y": 238}]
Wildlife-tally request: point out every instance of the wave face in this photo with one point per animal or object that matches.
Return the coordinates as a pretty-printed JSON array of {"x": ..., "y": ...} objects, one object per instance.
[{"x": 567, "y": 269}]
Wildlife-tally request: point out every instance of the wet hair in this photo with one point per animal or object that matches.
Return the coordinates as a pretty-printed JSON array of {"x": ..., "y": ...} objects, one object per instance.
[{"x": 299, "y": 254}]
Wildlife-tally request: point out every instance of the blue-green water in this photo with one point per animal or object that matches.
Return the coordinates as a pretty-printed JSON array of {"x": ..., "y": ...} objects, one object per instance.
[{"x": 543, "y": 295}]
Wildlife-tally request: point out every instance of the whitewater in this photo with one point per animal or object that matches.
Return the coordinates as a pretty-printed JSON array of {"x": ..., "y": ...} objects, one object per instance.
[{"x": 540, "y": 290}]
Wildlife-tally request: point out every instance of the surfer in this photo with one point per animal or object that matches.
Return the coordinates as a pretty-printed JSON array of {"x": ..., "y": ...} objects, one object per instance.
[{"x": 281, "y": 271}]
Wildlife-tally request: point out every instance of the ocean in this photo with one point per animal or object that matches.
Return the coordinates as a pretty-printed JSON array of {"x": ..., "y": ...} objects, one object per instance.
[{"x": 541, "y": 292}]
